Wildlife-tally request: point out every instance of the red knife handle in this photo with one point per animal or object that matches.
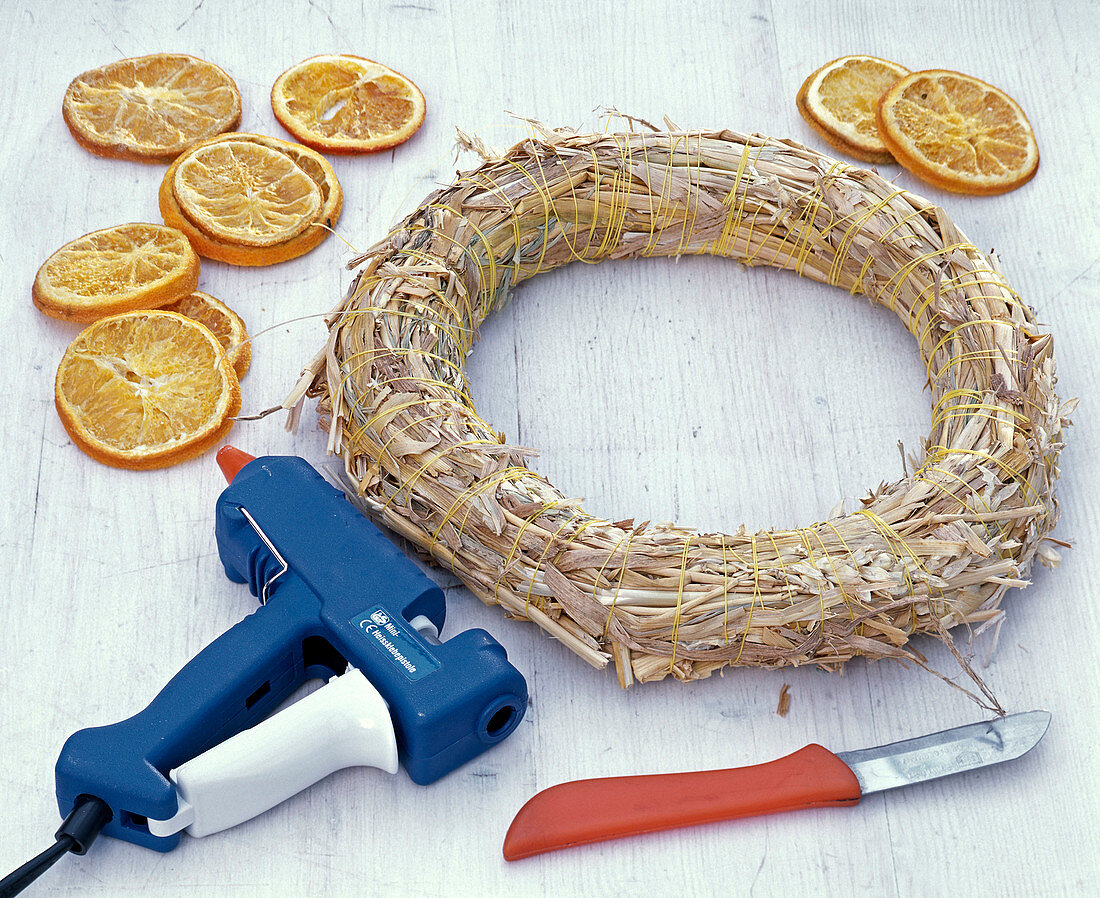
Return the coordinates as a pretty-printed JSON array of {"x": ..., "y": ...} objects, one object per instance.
[{"x": 594, "y": 810}]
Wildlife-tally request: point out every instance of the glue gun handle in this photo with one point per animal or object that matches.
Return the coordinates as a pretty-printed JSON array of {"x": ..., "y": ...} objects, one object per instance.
[
  {"x": 233, "y": 683},
  {"x": 345, "y": 723}
]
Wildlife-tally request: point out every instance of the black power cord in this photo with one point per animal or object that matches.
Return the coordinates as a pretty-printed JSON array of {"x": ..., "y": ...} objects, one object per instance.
[{"x": 77, "y": 833}]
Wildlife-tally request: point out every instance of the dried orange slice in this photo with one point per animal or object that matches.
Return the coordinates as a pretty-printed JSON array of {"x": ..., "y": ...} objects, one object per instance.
[
  {"x": 129, "y": 266},
  {"x": 145, "y": 390},
  {"x": 222, "y": 322},
  {"x": 957, "y": 132},
  {"x": 245, "y": 193},
  {"x": 347, "y": 104},
  {"x": 150, "y": 108},
  {"x": 315, "y": 166},
  {"x": 839, "y": 102}
]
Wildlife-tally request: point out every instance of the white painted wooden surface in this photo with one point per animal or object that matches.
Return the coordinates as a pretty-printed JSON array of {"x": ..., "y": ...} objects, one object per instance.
[{"x": 697, "y": 391}]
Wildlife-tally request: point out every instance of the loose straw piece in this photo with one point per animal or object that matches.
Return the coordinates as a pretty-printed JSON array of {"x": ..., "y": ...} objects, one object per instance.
[{"x": 933, "y": 550}]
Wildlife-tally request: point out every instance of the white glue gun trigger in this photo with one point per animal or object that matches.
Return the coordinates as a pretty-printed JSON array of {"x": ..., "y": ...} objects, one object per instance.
[{"x": 345, "y": 723}]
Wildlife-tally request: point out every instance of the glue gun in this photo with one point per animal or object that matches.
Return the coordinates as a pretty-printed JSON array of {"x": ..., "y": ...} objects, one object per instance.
[{"x": 337, "y": 600}]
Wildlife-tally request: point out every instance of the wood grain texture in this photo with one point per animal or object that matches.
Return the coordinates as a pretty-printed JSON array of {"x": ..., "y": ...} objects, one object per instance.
[{"x": 111, "y": 577}]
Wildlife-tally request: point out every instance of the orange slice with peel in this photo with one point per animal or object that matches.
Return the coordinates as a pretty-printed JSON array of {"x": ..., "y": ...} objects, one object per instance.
[
  {"x": 958, "y": 132},
  {"x": 245, "y": 193},
  {"x": 150, "y": 108},
  {"x": 347, "y": 104},
  {"x": 146, "y": 389},
  {"x": 316, "y": 167},
  {"x": 840, "y": 99},
  {"x": 222, "y": 322},
  {"x": 129, "y": 266}
]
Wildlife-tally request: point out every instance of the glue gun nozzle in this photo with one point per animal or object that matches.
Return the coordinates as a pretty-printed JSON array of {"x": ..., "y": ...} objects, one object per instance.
[{"x": 231, "y": 460}]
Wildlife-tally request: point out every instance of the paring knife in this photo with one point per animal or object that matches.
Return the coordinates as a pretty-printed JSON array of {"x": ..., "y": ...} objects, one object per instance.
[{"x": 595, "y": 810}]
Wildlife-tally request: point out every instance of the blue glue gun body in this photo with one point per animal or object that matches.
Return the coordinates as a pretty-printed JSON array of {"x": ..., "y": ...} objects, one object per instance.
[{"x": 335, "y": 591}]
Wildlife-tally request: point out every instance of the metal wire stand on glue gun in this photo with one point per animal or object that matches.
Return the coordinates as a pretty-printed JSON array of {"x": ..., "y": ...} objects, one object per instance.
[{"x": 337, "y": 601}]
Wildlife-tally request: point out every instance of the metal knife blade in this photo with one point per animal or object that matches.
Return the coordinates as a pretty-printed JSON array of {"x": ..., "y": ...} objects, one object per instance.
[
  {"x": 950, "y": 751},
  {"x": 594, "y": 810}
]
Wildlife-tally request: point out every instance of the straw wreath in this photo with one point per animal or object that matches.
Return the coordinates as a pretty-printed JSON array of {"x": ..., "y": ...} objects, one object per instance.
[{"x": 936, "y": 549}]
